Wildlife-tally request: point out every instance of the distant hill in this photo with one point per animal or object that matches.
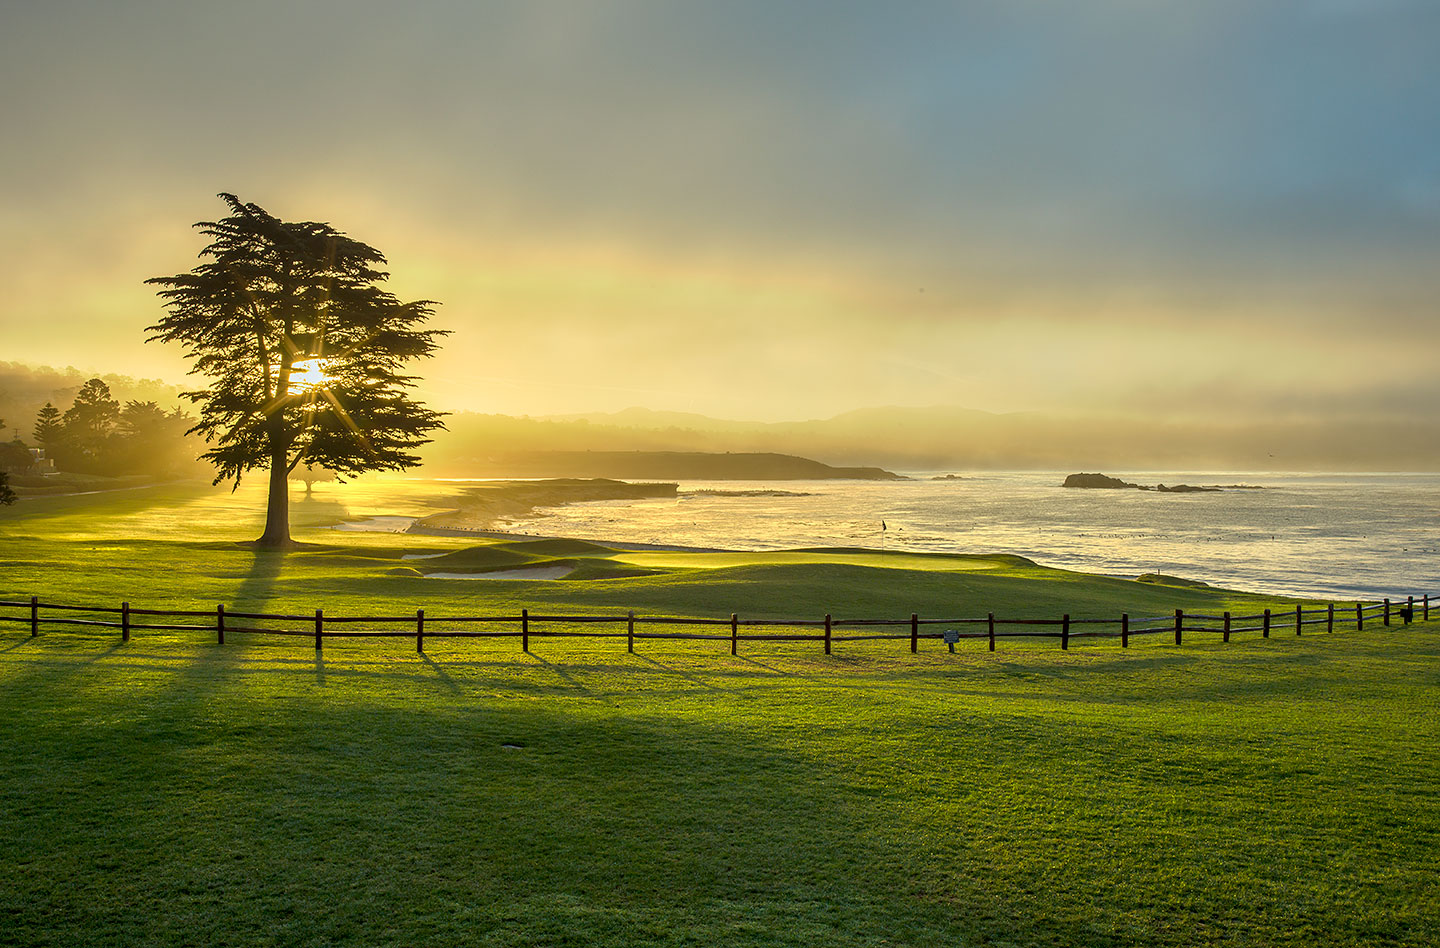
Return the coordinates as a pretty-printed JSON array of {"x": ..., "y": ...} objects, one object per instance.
[
  {"x": 664, "y": 465},
  {"x": 945, "y": 438}
]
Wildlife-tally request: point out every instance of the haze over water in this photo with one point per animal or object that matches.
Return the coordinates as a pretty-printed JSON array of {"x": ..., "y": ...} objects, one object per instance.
[{"x": 1343, "y": 536}]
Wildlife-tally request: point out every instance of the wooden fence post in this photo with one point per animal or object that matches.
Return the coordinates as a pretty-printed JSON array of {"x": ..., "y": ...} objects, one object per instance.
[
  {"x": 1227, "y": 625},
  {"x": 1426, "y": 601},
  {"x": 34, "y": 616},
  {"x": 827, "y": 633},
  {"x": 319, "y": 627},
  {"x": 1299, "y": 619},
  {"x": 734, "y": 632},
  {"x": 1330, "y": 619},
  {"x": 1409, "y": 610},
  {"x": 1179, "y": 623},
  {"x": 630, "y": 632},
  {"x": 124, "y": 621},
  {"x": 420, "y": 631},
  {"x": 1124, "y": 630},
  {"x": 524, "y": 630},
  {"x": 991, "y": 621},
  {"x": 1387, "y": 612},
  {"x": 914, "y": 632},
  {"x": 1065, "y": 632},
  {"x": 220, "y": 624},
  {"x": 1266, "y": 631},
  {"x": 1359, "y": 618}
]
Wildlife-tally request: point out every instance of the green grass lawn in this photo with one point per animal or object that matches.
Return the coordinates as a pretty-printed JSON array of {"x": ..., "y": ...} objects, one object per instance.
[
  {"x": 171, "y": 791},
  {"x": 176, "y": 547}
]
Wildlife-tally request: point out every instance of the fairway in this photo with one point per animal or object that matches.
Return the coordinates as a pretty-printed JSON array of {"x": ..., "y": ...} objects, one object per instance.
[
  {"x": 173, "y": 791},
  {"x": 167, "y": 793},
  {"x": 143, "y": 547}
]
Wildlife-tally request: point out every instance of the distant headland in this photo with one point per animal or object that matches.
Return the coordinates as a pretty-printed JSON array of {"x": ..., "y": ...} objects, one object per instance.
[{"x": 667, "y": 465}]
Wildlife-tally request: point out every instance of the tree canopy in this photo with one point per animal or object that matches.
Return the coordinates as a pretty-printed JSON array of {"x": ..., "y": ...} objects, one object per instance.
[
  {"x": 48, "y": 427},
  {"x": 303, "y": 349},
  {"x": 91, "y": 419}
]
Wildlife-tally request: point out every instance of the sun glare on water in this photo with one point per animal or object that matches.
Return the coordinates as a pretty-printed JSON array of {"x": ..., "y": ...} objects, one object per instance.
[{"x": 309, "y": 375}]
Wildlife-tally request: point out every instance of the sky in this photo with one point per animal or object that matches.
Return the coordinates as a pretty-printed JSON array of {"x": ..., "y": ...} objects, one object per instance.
[{"x": 769, "y": 210}]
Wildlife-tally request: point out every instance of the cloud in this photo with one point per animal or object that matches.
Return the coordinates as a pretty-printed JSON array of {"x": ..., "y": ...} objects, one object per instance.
[{"x": 761, "y": 208}]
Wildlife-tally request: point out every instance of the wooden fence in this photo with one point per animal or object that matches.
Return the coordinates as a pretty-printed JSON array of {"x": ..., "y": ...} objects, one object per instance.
[{"x": 221, "y": 621}]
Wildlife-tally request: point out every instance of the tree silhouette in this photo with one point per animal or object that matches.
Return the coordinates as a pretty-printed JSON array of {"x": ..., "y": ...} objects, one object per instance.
[
  {"x": 88, "y": 424},
  {"x": 313, "y": 475},
  {"x": 48, "y": 428},
  {"x": 304, "y": 352}
]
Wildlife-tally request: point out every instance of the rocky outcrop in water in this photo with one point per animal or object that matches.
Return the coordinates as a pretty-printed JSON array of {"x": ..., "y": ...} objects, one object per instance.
[
  {"x": 1100, "y": 481},
  {"x": 1106, "y": 482}
]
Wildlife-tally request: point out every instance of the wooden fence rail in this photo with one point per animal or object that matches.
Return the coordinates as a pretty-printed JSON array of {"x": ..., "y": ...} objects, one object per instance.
[{"x": 421, "y": 626}]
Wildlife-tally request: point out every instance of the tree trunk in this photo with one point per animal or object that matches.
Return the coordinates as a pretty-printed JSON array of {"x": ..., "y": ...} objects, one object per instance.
[{"x": 277, "y": 509}]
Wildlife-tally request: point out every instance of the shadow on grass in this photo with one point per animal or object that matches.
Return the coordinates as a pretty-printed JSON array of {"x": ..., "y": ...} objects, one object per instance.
[
  {"x": 560, "y": 672},
  {"x": 843, "y": 818},
  {"x": 770, "y": 668},
  {"x": 252, "y": 595},
  {"x": 672, "y": 670},
  {"x": 384, "y": 825},
  {"x": 441, "y": 674}
]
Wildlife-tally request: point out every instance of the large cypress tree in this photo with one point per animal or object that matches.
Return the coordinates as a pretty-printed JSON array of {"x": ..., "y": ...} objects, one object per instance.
[{"x": 304, "y": 351}]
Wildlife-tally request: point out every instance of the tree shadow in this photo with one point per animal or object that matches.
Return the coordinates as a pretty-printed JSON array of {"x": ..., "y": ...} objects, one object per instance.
[
  {"x": 595, "y": 827},
  {"x": 252, "y": 595}
]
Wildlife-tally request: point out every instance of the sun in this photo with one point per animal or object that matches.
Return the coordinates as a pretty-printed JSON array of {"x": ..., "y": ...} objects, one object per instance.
[{"x": 309, "y": 375}]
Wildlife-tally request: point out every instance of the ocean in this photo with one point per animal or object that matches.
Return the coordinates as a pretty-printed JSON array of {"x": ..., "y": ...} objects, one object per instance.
[{"x": 1322, "y": 535}]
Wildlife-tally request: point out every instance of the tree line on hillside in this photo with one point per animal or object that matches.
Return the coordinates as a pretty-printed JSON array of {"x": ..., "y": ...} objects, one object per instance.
[{"x": 98, "y": 435}]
